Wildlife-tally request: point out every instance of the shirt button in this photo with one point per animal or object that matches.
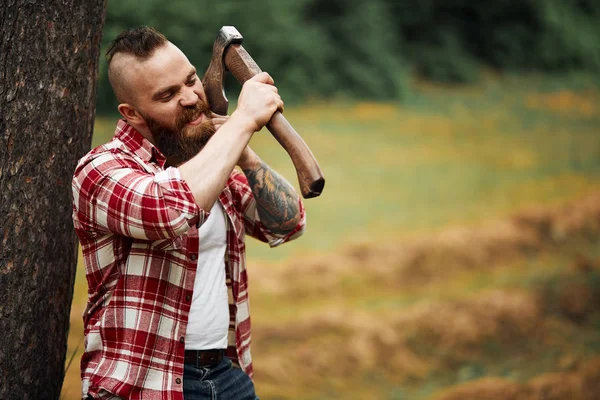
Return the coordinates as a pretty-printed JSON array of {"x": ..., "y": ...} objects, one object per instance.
[
  {"x": 193, "y": 257},
  {"x": 178, "y": 381},
  {"x": 188, "y": 297},
  {"x": 181, "y": 339}
]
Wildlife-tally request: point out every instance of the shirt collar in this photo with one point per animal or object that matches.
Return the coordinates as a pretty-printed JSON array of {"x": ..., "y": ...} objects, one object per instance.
[{"x": 137, "y": 143}]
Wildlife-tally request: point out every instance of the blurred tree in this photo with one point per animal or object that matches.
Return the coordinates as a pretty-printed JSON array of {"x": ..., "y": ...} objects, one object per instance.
[
  {"x": 449, "y": 40},
  {"x": 366, "y": 49},
  {"x": 362, "y": 54},
  {"x": 49, "y": 62},
  {"x": 312, "y": 48}
]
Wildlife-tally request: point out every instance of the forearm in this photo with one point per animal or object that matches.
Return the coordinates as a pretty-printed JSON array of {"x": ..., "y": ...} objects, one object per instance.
[
  {"x": 277, "y": 202},
  {"x": 206, "y": 173}
]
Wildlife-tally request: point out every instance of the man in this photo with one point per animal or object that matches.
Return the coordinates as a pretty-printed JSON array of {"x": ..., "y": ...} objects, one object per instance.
[{"x": 163, "y": 246}]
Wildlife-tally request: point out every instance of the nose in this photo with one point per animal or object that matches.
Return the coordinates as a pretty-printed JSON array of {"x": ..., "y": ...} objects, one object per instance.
[{"x": 188, "y": 97}]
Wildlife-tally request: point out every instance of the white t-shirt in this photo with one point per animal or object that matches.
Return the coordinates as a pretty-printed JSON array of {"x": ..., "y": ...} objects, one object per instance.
[{"x": 208, "y": 321}]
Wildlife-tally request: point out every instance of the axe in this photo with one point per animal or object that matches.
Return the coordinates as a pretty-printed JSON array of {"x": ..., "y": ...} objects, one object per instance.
[{"x": 229, "y": 55}]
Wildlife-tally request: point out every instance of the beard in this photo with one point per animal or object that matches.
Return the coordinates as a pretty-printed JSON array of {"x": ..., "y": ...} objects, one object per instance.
[{"x": 183, "y": 142}]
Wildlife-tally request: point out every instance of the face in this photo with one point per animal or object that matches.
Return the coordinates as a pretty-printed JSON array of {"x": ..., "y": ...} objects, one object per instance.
[
  {"x": 171, "y": 101},
  {"x": 193, "y": 128}
]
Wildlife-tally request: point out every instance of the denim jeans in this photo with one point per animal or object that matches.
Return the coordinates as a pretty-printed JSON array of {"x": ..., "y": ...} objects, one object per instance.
[{"x": 223, "y": 382}]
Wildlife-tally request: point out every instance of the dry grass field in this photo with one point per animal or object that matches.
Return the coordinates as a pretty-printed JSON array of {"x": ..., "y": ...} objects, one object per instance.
[{"x": 454, "y": 253}]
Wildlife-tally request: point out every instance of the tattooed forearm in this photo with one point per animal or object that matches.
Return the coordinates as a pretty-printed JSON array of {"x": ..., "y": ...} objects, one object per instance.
[{"x": 276, "y": 200}]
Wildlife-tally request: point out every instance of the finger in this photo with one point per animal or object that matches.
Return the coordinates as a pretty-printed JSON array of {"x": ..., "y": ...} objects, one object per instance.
[
  {"x": 280, "y": 105},
  {"x": 215, "y": 115},
  {"x": 219, "y": 120},
  {"x": 263, "y": 77}
]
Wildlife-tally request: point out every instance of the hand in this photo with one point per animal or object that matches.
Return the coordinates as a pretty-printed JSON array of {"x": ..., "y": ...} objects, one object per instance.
[
  {"x": 218, "y": 120},
  {"x": 258, "y": 101}
]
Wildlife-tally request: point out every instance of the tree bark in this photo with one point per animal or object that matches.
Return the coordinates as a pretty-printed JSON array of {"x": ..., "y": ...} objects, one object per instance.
[{"x": 49, "y": 54}]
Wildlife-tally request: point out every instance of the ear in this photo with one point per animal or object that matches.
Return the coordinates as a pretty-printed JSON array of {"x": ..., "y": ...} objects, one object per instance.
[{"x": 131, "y": 114}]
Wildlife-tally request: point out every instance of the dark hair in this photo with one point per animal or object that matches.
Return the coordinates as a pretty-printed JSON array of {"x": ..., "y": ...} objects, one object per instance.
[{"x": 140, "y": 42}]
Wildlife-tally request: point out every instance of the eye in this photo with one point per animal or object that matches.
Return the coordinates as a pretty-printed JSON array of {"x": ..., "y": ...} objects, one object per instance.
[
  {"x": 191, "y": 81},
  {"x": 166, "y": 97}
]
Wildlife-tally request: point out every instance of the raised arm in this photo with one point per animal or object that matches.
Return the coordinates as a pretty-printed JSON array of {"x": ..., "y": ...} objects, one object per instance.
[
  {"x": 277, "y": 203},
  {"x": 208, "y": 171}
]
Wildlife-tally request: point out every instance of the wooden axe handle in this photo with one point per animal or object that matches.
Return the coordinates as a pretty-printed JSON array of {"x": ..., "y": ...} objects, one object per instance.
[{"x": 310, "y": 178}]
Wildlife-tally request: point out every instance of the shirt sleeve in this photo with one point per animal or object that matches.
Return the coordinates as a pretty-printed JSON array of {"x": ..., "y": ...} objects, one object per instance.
[
  {"x": 113, "y": 193},
  {"x": 252, "y": 223}
]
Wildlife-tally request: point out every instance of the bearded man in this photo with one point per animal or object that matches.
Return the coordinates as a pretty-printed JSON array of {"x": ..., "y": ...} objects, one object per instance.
[{"x": 161, "y": 215}]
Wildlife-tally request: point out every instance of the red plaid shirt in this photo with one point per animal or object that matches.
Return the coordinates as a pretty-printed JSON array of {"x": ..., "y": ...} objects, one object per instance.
[{"x": 137, "y": 223}]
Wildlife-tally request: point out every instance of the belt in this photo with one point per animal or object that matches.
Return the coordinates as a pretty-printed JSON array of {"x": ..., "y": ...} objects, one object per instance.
[{"x": 204, "y": 358}]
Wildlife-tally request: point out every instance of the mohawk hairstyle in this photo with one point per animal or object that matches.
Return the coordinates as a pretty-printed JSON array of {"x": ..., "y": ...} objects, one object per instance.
[{"x": 139, "y": 42}]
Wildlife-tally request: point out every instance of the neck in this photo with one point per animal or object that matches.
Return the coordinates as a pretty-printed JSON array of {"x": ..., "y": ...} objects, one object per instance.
[{"x": 143, "y": 130}]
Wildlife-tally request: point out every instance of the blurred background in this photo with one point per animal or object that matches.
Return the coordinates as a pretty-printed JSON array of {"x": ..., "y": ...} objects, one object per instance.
[{"x": 455, "y": 250}]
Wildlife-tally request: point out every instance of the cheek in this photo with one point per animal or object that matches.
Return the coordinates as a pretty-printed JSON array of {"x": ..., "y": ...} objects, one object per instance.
[{"x": 167, "y": 115}]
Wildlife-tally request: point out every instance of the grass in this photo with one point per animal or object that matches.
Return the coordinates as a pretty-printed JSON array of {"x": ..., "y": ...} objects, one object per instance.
[
  {"x": 396, "y": 173},
  {"x": 447, "y": 157},
  {"x": 467, "y": 330},
  {"x": 528, "y": 309}
]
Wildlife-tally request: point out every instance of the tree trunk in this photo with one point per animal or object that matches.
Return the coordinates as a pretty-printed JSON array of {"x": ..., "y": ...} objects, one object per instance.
[{"x": 49, "y": 54}]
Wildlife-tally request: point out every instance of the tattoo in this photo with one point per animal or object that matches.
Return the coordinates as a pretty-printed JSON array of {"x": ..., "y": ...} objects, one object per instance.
[{"x": 276, "y": 201}]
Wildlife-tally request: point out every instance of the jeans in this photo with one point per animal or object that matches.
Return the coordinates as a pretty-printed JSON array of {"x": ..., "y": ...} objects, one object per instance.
[{"x": 222, "y": 382}]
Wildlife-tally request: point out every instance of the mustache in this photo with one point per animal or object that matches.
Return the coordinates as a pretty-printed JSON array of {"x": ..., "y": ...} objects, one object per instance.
[{"x": 191, "y": 113}]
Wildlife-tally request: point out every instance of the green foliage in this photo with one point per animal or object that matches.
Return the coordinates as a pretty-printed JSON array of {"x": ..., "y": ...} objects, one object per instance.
[
  {"x": 571, "y": 37},
  {"x": 352, "y": 48},
  {"x": 310, "y": 47},
  {"x": 448, "y": 40}
]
